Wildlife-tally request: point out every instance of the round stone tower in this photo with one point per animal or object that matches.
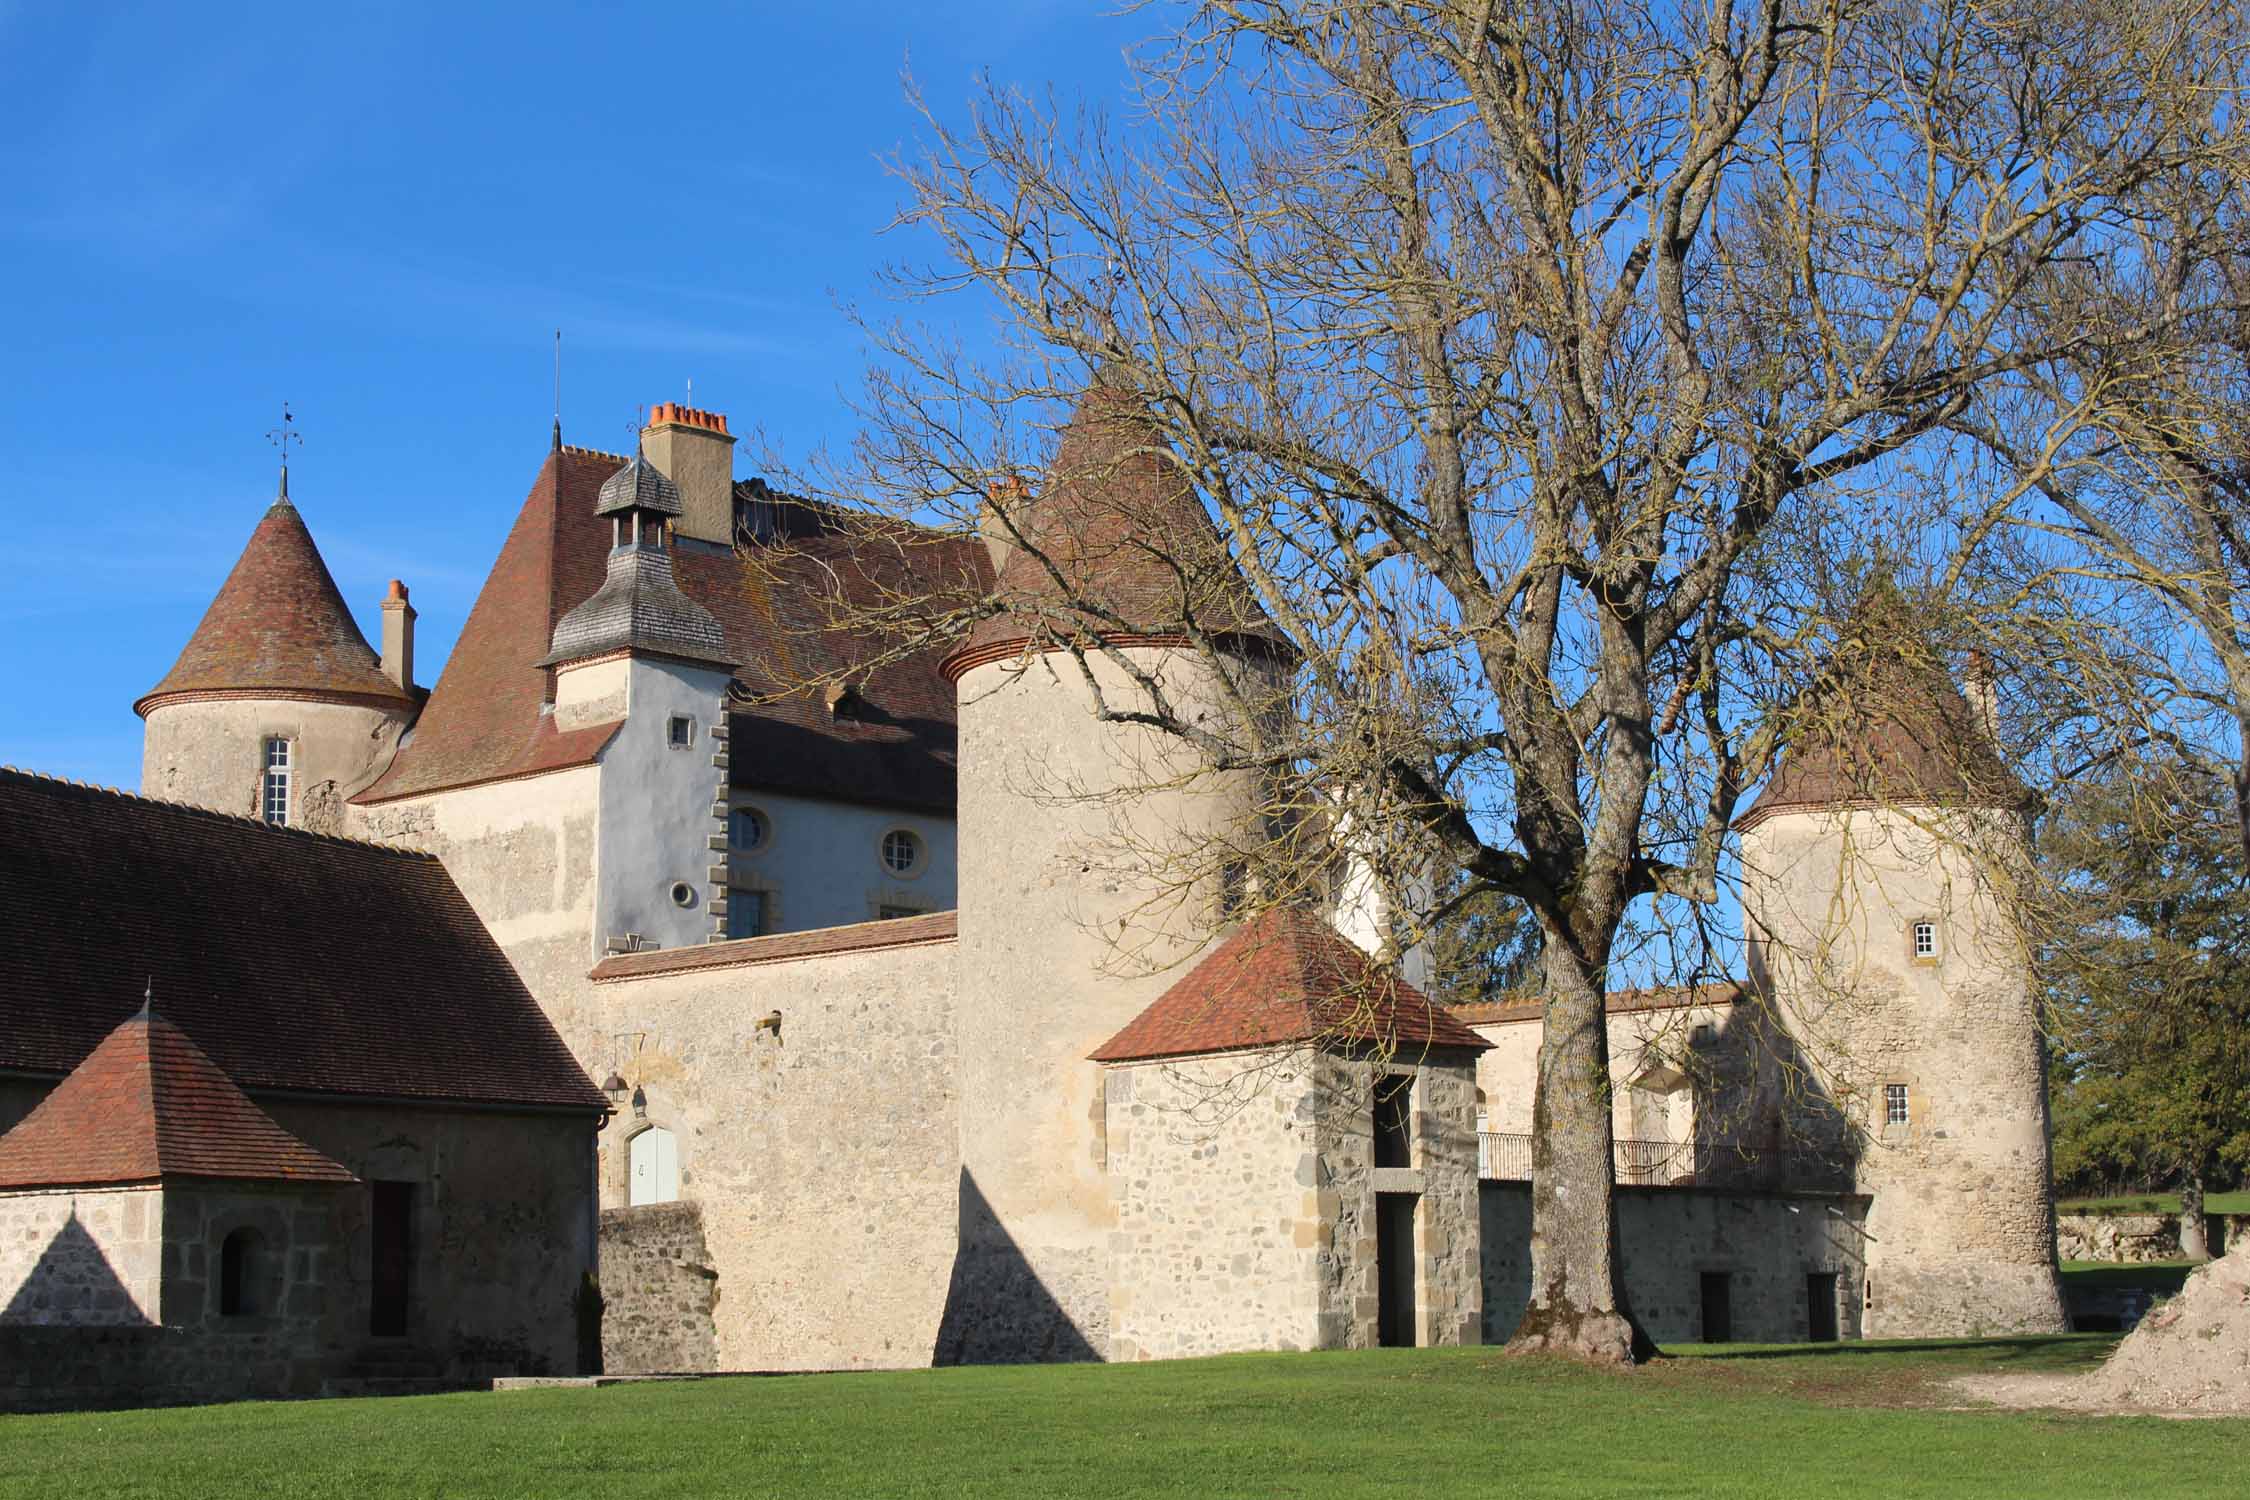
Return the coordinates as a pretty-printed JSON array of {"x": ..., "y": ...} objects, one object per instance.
[
  {"x": 1881, "y": 868},
  {"x": 1093, "y": 853},
  {"x": 277, "y": 707}
]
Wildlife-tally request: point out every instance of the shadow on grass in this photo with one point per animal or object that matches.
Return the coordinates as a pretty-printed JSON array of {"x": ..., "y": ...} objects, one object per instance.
[{"x": 2060, "y": 1352}]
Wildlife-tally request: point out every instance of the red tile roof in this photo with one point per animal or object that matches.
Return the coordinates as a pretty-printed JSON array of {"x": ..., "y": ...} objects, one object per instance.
[
  {"x": 896, "y": 748},
  {"x": 1286, "y": 977},
  {"x": 783, "y": 947},
  {"x": 1117, "y": 545},
  {"x": 279, "y": 628},
  {"x": 296, "y": 961},
  {"x": 1883, "y": 727},
  {"x": 1616, "y": 1002},
  {"x": 148, "y": 1104}
]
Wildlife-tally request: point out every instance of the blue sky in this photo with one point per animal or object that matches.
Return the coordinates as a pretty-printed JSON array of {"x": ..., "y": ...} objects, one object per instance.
[{"x": 381, "y": 214}]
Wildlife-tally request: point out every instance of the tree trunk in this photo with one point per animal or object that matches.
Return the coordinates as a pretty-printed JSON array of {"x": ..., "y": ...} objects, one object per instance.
[
  {"x": 2194, "y": 1243},
  {"x": 1578, "y": 1306}
]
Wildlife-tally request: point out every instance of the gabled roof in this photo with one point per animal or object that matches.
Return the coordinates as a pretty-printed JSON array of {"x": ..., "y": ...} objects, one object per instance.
[
  {"x": 895, "y": 747},
  {"x": 1287, "y": 977},
  {"x": 147, "y": 1104},
  {"x": 1885, "y": 726},
  {"x": 296, "y": 961},
  {"x": 279, "y": 627},
  {"x": 1116, "y": 545}
]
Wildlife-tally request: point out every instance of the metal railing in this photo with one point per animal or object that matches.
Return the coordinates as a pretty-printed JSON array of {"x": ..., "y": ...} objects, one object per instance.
[{"x": 1506, "y": 1157}]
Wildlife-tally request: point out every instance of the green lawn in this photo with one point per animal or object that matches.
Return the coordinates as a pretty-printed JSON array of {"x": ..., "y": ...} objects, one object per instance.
[
  {"x": 1849, "y": 1419},
  {"x": 2156, "y": 1203}
]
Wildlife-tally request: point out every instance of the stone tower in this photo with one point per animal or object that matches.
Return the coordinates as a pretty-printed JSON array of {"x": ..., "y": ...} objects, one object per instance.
[
  {"x": 641, "y": 655},
  {"x": 1880, "y": 869},
  {"x": 277, "y": 707},
  {"x": 1088, "y": 867}
]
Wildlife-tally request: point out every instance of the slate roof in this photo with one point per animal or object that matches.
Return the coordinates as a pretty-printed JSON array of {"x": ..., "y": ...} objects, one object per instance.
[
  {"x": 896, "y": 748},
  {"x": 147, "y": 1104},
  {"x": 1885, "y": 726},
  {"x": 296, "y": 961},
  {"x": 639, "y": 607},
  {"x": 1286, "y": 977},
  {"x": 278, "y": 626},
  {"x": 1115, "y": 545}
]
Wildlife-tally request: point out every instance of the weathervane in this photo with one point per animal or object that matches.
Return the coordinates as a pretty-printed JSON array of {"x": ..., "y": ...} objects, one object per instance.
[{"x": 281, "y": 437}]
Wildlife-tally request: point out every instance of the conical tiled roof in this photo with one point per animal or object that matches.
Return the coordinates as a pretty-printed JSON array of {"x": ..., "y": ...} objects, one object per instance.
[
  {"x": 1287, "y": 977},
  {"x": 1885, "y": 726},
  {"x": 147, "y": 1104},
  {"x": 278, "y": 626},
  {"x": 1116, "y": 546}
]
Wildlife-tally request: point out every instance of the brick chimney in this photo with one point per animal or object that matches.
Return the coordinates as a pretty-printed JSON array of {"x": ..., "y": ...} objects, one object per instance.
[
  {"x": 398, "y": 637},
  {"x": 696, "y": 452}
]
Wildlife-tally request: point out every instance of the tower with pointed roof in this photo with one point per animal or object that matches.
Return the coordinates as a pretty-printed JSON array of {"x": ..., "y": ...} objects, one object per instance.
[
  {"x": 640, "y": 654},
  {"x": 277, "y": 707},
  {"x": 1097, "y": 860},
  {"x": 1879, "y": 867}
]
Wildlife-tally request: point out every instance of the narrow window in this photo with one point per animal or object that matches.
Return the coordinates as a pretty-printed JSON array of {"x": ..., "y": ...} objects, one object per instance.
[
  {"x": 1925, "y": 940},
  {"x": 1394, "y": 1120},
  {"x": 746, "y": 830},
  {"x": 746, "y": 913},
  {"x": 902, "y": 852},
  {"x": 1895, "y": 1110},
  {"x": 238, "y": 1269},
  {"x": 273, "y": 801},
  {"x": 681, "y": 732}
]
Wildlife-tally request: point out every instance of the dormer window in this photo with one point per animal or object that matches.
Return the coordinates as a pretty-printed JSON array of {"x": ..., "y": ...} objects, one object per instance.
[
  {"x": 273, "y": 794},
  {"x": 1925, "y": 939}
]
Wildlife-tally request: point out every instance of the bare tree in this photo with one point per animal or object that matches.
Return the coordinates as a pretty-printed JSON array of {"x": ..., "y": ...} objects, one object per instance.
[{"x": 1542, "y": 370}]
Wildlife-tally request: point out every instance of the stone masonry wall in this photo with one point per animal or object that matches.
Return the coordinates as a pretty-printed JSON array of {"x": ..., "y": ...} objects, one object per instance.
[
  {"x": 1670, "y": 1237},
  {"x": 658, "y": 1291},
  {"x": 84, "y": 1257},
  {"x": 1214, "y": 1163}
]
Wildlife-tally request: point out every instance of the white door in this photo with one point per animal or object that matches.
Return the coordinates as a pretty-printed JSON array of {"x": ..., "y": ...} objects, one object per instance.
[{"x": 654, "y": 1157}]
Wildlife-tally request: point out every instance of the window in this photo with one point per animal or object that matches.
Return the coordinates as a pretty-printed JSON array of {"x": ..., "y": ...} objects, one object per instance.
[
  {"x": 902, "y": 852},
  {"x": 1394, "y": 1120},
  {"x": 1925, "y": 940},
  {"x": 1895, "y": 1109},
  {"x": 653, "y": 1162},
  {"x": 683, "y": 894},
  {"x": 747, "y": 830},
  {"x": 273, "y": 800},
  {"x": 238, "y": 1272},
  {"x": 681, "y": 732},
  {"x": 746, "y": 913},
  {"x": 887, "y": 913}
]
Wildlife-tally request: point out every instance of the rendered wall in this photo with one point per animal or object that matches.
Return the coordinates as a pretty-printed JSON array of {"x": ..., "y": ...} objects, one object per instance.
[
  {"x": 1669, "y": 1238},
  {"x": 212, "y": 754},
  {"x": 1086, "y": 878},
  {"x": 658, "y": 810},
  {"x": 821, "y": 865},
  {"x": 822, "y": 1153},
  {"x": 1961, "y": 1233}
]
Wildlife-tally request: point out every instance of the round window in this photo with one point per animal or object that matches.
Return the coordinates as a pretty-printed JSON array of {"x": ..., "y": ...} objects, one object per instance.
[
  {"x": 902, "y": 852},
  {"x": 746, "y": 829},
  {"x": 683, "y": 894}
]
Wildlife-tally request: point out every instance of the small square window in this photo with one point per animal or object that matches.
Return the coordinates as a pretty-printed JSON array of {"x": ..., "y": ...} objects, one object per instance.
[
  {"x": 681, "y": 733},
  {"x": 889, "y": 913},
  {"x": 1925, "y": 940},
  {"x": 1895, "y": 1107}
]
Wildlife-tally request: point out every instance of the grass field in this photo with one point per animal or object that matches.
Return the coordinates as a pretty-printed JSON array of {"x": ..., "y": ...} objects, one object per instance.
[
  {"x": 2155, "y": 1203},
  {"x": 1843, "y": 1419}
]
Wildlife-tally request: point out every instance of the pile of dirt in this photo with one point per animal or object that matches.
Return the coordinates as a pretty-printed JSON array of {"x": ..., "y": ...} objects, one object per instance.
[{"x": 2192, "y": 1354}]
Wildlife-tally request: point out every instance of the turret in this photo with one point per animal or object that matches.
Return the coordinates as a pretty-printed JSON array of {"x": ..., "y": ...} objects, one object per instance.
[
  {"x": 640, "y": 651},
  {"x": 1881, "y": 868},
  {"x": 277, "y": 707},
  {"x": 1090, "y": 856}
]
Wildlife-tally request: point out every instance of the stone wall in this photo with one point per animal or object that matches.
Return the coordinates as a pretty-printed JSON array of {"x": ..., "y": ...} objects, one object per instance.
[
  {"x": 658, "y": 1291},
  {"x": 821, "y": 1149},
  {"x": 211, "y": 753},
  {"x": 83, "y": 1257},
  {"x": 1669, "y": 1238},
  {"x": 2137, "y": 1238}
]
